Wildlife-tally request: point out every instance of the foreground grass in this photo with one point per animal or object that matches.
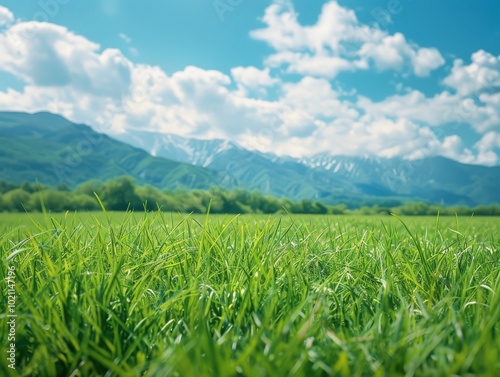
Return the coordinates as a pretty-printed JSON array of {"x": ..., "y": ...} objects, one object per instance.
[{"x": 163, "y": 295}]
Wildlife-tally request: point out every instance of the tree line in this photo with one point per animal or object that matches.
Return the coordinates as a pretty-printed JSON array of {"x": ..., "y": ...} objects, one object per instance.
[{"x": 123, "y": 194}]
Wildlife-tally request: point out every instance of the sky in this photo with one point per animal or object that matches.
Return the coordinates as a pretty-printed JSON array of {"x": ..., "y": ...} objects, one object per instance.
[{"x": 392, "y": 78}]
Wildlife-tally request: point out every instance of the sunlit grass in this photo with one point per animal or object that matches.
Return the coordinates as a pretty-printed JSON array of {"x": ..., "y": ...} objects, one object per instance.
[{"x": 169, "y": 295}]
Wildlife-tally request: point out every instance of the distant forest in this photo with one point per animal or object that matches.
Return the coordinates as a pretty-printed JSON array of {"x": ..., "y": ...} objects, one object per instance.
[{"x": 122, "y": 194}]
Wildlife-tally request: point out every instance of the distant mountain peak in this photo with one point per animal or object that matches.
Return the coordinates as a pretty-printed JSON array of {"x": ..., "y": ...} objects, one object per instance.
[
  {"x": 33, "y": 143},
  {"x": 179, "y": 148}
]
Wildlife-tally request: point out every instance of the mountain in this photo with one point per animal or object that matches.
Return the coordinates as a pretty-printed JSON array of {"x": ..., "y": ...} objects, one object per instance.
[
  {"x": 436, "y": 179},
  {"x": 49, "y": 149},
  {"x": 332, "y": 178},
  {"x": 252, "y": 170},
  {"x": 178, "y": 148}
]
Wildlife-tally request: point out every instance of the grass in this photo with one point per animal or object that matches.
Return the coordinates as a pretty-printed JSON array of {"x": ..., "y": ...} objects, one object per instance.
[{"x": 166, "y": 295}]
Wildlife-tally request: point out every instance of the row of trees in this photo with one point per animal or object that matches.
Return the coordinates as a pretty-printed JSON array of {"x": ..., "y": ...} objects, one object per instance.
[{"x": 122, "y": 194}]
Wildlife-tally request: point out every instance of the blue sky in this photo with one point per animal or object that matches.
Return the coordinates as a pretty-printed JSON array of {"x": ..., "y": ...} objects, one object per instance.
[{"x": 408, "y": 78}]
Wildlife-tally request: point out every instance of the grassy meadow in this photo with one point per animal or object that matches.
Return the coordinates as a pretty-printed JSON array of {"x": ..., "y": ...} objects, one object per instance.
[{"x": 158, "y": 294}]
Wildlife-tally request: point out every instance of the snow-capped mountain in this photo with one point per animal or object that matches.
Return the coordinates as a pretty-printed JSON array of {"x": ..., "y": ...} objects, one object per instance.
[
  {"x": 251, "y": 169},
  {"x": 343, "y": 165},
  {"x": 330, "y": 177},
  {"x": 178, "y": 148}
]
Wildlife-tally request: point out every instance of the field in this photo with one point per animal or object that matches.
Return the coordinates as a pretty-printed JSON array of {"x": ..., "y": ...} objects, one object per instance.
[{"x": 168, "y": 295}]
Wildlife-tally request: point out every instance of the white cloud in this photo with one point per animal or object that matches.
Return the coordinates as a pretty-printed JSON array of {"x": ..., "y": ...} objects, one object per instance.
[
  {"x": 388, "y": 53},
  {"x": 54, "y": 56},
  {"x": 6, "y": 16},
  {"x": 414, "y": 105},
  {"x": 279, "y": 17},
  {"x": 317, "y": 97},
  {"x": 394, "y": 52},
  {"x": 471, "y": 104},
  {"x": 488, "y": 147},
  {"x": 68, "y": 102},
  {"x": 364, "y": 136},
  {"x": 482, "y": 75},
  {"x": 426, "y": 60},
  {"x": 68, "y": 74},
  {"x": 321, "y": 64},
  {"x": 453, "y": 147},
  {"x": 253, "y": 79},
  {"x": 191, "y": 102},
  {"x": 338, "y": 42}
]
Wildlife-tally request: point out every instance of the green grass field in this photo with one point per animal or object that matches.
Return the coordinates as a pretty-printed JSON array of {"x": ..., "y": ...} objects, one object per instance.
[{"x": 167, "y": 295}]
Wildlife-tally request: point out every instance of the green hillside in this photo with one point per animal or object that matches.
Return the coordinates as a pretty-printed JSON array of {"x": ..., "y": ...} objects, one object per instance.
[{"x": 51, "y": 150}]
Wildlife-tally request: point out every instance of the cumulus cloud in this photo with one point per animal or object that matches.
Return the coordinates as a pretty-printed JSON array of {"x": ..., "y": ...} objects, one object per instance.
[
  {"x": 426, "y": 60},
  {"x": 480, "y": 76},
  {"x": 317, "y": 97},
  {"x": 68, "y": 74},
  {"x": 54, "y": 56},
  {"x": 488, "y": 148},
  {"x": 413, "y": 105},
  {"x": 360, "y": 137},
  {"x": 253, "y": 79},
  {"x": 453, "y": 147},
  {"x": 472, "y": 97},
  {"x": 6, "y": 16},
  {"x": 394, "y": 52},
  {"x": 72, "y": 104},
  {"x": 338, "y": 42}
]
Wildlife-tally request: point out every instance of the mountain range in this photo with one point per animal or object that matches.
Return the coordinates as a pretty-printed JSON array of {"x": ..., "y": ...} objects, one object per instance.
[
  {"x": 48, "y": 148},
  {"x": 331, "y": 178}
]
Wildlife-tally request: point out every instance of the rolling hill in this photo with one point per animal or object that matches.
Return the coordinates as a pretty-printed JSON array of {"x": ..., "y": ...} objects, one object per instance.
[{"x": 49, "y": 149}]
